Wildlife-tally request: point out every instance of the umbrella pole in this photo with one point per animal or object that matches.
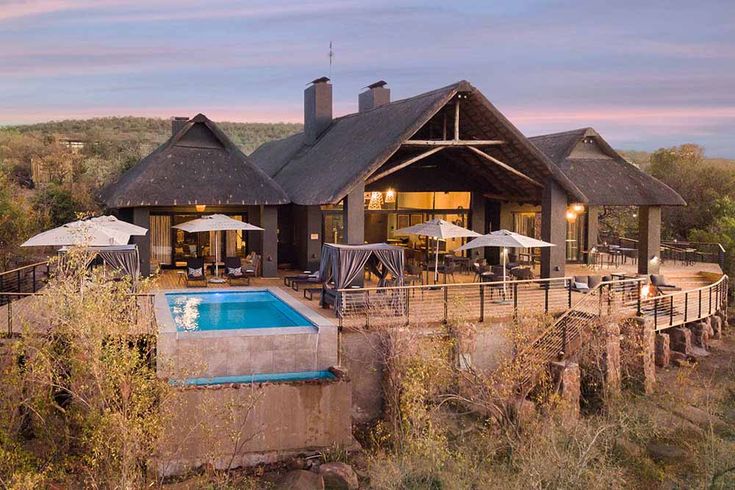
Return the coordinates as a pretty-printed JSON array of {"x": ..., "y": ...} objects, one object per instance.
[
  {"x": 216, "y": 253},
  {"x": 436, "y": 263},
  {"x": 504, "y": 251}
]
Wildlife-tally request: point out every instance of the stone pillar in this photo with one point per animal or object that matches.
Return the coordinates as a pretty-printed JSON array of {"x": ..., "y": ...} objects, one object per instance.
[
  {"x": 681, "y": 340},
  {"x": 663, "y": 350},
  {"x": 592, "y": 229},
  {"x": 639, "y": 353},
  {"x": 477, "y": 218},
  {"x": 566, "y": 378},
  {"x": 611, "y": 360},
  {"x": 141, "y": 217},
  {"x": 553, "y": 229},
  {"x": 700, "y": 334},
  {"x": 354, "y": 215},
  {"x": 649, "y": 239}
]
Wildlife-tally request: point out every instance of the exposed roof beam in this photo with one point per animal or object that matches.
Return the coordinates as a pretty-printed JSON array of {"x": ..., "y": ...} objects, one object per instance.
[
  {"x": 505, "y": 166},
  {"x": 404, "y": 164},
  {"x": 508, "y": 197},
  {"x": 453, "y": 142}
]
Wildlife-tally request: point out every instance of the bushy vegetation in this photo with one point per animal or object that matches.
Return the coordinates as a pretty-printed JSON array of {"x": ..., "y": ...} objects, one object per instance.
[{"x": 80, "y": 403}]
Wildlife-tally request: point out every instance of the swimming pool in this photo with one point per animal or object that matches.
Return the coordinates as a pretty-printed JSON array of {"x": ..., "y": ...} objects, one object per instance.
[
  {"x": 259, "y": 378},
  {"x": 230, "y": 310}
]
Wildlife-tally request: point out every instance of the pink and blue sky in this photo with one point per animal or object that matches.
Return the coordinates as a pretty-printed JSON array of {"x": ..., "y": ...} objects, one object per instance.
[{"x": 645, "y": 73}]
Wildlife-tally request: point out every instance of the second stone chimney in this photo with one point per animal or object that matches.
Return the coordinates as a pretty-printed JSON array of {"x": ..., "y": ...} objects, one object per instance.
[
  {"x": 178, "y": 122},
  {"x": 317, "y": 109},
  {"x": 377, "y": 94}
]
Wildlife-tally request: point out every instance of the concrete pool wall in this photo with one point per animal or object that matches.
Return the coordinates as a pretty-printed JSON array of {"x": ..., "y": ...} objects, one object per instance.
[
  {"x": 233, "y": 425},
  {"x": 237, "y": 352}
]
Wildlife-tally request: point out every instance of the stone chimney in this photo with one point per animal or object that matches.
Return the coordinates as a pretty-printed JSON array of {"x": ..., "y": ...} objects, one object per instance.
[
  {"x": 317, "y": 109},
  {"x": 377, "y": 94},
  {"x": 177, "y": 122}
]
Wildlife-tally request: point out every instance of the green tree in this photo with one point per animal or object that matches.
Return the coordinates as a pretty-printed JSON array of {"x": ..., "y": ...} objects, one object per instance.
[
  {"x": 56, "y": 205},
  {"x": 700, "y": 182},
  {"x": 14, "y": 221}
]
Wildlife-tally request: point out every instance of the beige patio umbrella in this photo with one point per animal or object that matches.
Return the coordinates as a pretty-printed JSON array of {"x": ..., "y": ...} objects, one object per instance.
[
  {"x": 216, "y": 223},
  {"x": 100, "y": 231},
  {"x": 439, "y": 230},
  {"x": 505, "y": 239}
]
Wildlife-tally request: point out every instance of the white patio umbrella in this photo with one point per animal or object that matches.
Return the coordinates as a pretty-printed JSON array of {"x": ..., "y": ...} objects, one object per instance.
[
  {"x": 216, "y": 223},
  {"x": 439, "y": 230},
  {"x": 505, "y": 239},
  {"x": 101, "y": 231}
]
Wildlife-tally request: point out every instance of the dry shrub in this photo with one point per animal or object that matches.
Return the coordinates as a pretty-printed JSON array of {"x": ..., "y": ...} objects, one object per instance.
[{"x": 81, "y": 397}]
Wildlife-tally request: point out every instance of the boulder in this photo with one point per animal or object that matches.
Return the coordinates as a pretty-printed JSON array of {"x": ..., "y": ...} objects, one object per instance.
[
  {"x": 666, "y": 453},
  {"x": 301, "y": 480},
  {"x": 566, "y": 377},
  {"x": 338, "y": 476}
]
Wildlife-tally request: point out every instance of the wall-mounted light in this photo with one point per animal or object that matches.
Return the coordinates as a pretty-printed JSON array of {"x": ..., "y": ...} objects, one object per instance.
[
  {"x": 578, "y": 207},
  {"x": 390, "y": 196},
  {"x": 200, "y": 208},
  {"x": 571, "y": 216}
]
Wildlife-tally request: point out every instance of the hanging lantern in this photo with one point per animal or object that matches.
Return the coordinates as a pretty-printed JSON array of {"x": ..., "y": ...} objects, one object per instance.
[
  {"x": 390, "y": 196},
  {"x": 376, "y": 201}
]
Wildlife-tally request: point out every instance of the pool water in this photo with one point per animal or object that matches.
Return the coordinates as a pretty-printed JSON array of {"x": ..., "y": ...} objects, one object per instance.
[
  {"x": 229, "y": 310},
  {"x": 258, "y": 378}
]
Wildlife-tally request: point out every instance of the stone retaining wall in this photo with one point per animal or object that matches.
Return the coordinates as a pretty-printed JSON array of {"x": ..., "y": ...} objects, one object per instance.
[{"x": 233, "y": 425}]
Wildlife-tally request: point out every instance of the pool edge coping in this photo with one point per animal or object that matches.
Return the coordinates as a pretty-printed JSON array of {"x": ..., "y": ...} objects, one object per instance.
[{"x": 166, "y": 323}]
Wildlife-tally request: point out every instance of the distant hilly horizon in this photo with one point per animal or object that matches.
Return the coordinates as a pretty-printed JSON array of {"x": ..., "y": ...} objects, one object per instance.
[{"x": 246, "y": 135}]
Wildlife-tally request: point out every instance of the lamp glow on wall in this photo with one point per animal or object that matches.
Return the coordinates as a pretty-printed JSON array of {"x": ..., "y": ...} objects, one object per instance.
[{"x": 200, "y": 207}]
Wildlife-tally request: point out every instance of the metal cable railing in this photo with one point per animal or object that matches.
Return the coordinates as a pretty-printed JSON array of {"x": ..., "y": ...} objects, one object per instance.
[
  {"x": 477, "y": 302},
  {"x": 22, "y": 309},
  {"x": 26, "y": 279}
]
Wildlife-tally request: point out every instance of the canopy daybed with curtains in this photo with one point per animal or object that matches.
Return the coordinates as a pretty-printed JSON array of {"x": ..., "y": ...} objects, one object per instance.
[
  {"x": 124, "y": 258},
  {"x": 342, "y": 265}
]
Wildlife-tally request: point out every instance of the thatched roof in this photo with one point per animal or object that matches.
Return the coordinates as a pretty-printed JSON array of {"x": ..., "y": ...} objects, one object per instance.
[
  {"x": 601, "y": 173},
  {"x": 353, "y": 147},
  {"x": 198, "y": 165}
]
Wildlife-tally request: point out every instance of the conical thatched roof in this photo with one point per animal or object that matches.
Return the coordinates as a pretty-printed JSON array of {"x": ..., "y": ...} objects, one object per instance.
[{"x": 197, "y": 165}]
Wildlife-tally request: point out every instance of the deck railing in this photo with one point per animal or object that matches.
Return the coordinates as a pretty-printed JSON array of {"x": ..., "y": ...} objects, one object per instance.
[
  {"x": 679, "y": 251},
  {"x": 681, "y": 307},
  {"x": 477, "y": 301},
  {"x": 20, "y": 308},
  {"x": 26, "y": 279}
]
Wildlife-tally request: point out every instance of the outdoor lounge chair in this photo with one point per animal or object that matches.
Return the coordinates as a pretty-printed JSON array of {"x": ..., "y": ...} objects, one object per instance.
[
  {"x": 196, "y": 273},
  {"x": 235, "y": 272},
  {"x": 662, "y": 286},
  {"x": 312, "y": 278}
]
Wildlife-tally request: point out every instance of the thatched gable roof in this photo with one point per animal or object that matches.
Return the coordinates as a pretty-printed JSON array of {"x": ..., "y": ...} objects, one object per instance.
[
  {"x": 353, "y": 147},
  {"x": 601, "y": 173},
  {"x": 198, "y": 165}
]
